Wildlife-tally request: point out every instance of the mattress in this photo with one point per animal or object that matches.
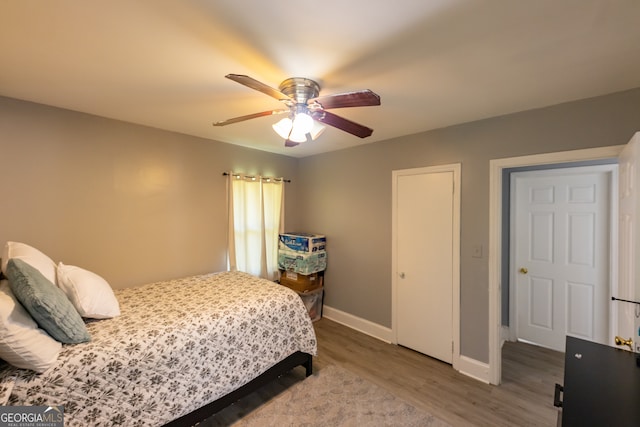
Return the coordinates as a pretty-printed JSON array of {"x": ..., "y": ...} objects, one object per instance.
[{"x": 177, "y": 346}]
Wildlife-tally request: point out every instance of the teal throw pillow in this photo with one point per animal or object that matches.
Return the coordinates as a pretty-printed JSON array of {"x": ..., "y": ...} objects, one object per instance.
[{"x": 48, "y": 305}]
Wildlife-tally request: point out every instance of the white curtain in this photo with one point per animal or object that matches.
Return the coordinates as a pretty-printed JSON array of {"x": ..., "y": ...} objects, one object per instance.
[{"x": 256, "y": 217}]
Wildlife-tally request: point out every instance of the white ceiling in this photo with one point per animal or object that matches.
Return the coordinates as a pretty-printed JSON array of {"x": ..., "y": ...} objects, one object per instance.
[{"x": 435, "y": 63}]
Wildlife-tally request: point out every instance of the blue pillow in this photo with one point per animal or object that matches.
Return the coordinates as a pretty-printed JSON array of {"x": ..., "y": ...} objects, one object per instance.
[{"x": 48, "y": 305}]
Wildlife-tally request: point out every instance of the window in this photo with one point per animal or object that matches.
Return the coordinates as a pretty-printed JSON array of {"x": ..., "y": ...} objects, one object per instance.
[{"x": 256, "y": 217}]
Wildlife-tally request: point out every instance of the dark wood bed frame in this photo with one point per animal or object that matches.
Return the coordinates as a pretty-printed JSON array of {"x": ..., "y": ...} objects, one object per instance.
[{"x": 296, "y": 359}]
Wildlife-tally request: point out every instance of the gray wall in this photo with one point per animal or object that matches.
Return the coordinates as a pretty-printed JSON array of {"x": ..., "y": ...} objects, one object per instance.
[
  {"x": 347, "y": 196},
  {"x": 131, "y": 203},
  {"x": 136, "y": 204}
]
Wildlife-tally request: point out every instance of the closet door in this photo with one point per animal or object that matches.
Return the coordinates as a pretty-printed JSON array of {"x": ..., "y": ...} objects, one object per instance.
[{"x": 424, "y": 261}]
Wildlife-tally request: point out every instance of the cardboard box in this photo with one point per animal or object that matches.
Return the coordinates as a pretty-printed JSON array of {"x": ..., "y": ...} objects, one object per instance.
[
  {"x": 302, "y": 263},
  {"x": 301, "y": 282},
  {"x": 313, "y": 302},
  {"x": 302, "y": 242}
]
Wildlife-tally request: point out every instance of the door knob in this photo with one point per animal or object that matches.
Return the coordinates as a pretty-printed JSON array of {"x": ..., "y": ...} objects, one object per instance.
[
  {"x": 622, "y": 341},
  {"x": 524, "y": 270},
  {"x": 402, "y": 275}
]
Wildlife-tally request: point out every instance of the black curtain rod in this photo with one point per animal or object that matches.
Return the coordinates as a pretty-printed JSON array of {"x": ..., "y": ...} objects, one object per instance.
[{"x": 279, "y": 179}]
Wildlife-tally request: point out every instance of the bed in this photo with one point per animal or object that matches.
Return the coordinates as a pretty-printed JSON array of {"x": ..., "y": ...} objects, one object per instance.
[{"x": 179, "y": 351}]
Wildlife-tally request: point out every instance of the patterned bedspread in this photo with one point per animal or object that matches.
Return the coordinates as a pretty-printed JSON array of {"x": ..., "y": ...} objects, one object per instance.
[{"x": 177, "y": 346}]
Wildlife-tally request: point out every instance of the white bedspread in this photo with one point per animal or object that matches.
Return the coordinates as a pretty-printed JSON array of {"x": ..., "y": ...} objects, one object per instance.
[{"x": 177, "y": 346}]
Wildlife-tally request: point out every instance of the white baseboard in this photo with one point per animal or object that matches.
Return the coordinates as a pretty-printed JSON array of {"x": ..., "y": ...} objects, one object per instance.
[
  {"x": 466, "y": 365},
  {"x": 474, "y": 369},
  {"x": 361, "y": 325},
  {"x": 505, "y": 335}
]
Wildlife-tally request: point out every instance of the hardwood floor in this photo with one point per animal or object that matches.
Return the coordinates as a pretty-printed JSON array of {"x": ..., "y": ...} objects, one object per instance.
[{"x": 525, "y": 397}]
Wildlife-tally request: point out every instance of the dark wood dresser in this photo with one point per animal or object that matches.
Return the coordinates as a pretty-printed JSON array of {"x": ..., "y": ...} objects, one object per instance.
[{"x": 601, "y": 386}]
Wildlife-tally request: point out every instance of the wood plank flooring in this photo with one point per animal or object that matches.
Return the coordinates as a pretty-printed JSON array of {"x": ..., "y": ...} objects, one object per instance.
[{"x": 525, "y": 397}]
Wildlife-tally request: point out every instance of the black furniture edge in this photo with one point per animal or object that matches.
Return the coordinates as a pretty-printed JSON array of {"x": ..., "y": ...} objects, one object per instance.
[
  {"x": 601, "y": 385},
  {"x": 557, "y": 402},
  {"x": 296, "y": 359}
]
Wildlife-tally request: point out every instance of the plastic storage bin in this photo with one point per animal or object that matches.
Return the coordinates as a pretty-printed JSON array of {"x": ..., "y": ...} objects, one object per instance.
[{"x": 313, "y": 302}]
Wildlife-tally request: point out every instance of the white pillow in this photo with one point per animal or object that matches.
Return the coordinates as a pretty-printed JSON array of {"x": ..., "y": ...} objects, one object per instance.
[
  {"x": 31, "y": 256},
  {"x": 22, "y": 343},
  {"x": 90, "y": 294}
]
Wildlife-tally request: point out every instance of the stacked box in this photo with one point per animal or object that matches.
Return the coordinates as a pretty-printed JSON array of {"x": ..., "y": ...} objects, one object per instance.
[
  {"x": 301, "y": 263},
  {"x": 301, "y": 282},
  {"x": 302, "y": 242},
  {"x": 302, "y": 259}
]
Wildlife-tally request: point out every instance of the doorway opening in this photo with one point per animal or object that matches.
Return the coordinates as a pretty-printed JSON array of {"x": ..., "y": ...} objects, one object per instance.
[
  {"x": 560, "y": 240},
  {"x": 496, "y": 237}
]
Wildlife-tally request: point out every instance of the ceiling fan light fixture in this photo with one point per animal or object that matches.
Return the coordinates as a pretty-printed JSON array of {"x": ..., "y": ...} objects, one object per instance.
[
  {"x": 302, "y": 123},
  {"x": 297, "y": 136},
  {"x": 283, "y": 127},
  {"x": 316, "y": 130},
  {"x": 287, "y": 129},
  {"x": 296, "y": 130}
]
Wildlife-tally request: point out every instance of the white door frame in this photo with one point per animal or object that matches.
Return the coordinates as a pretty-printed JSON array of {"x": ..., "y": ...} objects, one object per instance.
[
  {"x": 455, "y": 169},
  {"x": 495, "y": 234}
]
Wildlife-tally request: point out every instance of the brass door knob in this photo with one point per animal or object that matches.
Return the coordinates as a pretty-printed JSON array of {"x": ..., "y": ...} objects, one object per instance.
[
  {"x": 622, "y": 341},
  {"x": 524, "y": 270}
]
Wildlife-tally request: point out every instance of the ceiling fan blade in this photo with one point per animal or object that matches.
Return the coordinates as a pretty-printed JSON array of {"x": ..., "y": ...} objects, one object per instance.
[
  {"x": 361, "y": 98},
  {"x": 343, "y": 124},
  {"x": 259, "y": 86},
  {"x": 250, "y": 116},
  {"x": 289, "y": 143}
]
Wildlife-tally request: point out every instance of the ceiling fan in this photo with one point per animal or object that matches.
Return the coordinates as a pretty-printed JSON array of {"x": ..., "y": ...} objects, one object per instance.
[{"x": 305, "y": 108}]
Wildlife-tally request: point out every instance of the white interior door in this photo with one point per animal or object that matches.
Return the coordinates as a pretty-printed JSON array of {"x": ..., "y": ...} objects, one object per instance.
[
  {"x": 629, "y": 207},
  {"x": 424, "y": 260},
  {"x": 561, "y": 254}
]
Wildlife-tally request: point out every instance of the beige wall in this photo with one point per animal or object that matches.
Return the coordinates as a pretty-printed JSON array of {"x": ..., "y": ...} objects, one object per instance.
[
  {"x": 131, "y": 203},
  {"x": 347, "y": 196}
]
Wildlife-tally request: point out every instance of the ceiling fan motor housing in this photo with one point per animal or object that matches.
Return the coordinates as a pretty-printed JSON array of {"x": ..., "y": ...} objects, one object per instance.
[{"x": 300, "y": 89}]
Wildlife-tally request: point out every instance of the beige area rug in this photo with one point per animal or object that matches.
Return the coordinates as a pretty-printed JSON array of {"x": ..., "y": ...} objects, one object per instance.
[{"x": 337, "y": 397}]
